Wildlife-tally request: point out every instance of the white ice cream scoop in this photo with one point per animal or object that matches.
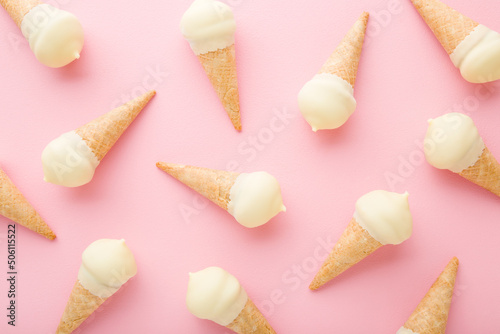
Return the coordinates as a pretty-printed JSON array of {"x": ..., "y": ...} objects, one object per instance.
[{"x": 55, "y": 36}]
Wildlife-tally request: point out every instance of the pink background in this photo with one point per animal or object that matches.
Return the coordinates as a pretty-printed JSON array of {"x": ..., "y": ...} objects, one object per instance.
[{"x": 404, "y": 79}]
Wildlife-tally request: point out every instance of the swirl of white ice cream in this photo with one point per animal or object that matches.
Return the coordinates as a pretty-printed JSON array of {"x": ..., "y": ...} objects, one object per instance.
[
  {"x": 404, "y": 330},
  {"x": 216, "y": 295},
  {"x": 54, "y": 35},
  {"x": 478, "y": 56},
  {"x": 107, "y": 264},
  {"x": 385, "y": 215},
  {"x": 208, "y": 25},
  {"x": 255, "y": 198},
  {"x": 68, "y": 161},
  {"x": 453, "y": 142},
  {"x": 327, "y": 101}
]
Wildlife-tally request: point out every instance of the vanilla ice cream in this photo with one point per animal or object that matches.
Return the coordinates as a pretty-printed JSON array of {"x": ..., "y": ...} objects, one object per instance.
[
  {"x": 478, "y": 56},
  {"x": 107, "y": 264},
  {"x": 54, "y": 35},
  {"x": 453, "y": 142},
  {"x": 255, "y": 198},
  {"x": 208, "y": 25},
  {"x": 216, "y": 295},
  {"x": 68, "y": 161},
  {"x": 403, "y": 330},
  {"x": 327, "y": 101},
  {"x": 385, "y": 215}
]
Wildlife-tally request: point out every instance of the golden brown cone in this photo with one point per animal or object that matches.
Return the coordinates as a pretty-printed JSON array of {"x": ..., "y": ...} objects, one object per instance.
[
  {"x": 17, "y": 9},
  {"x": 250, "y": 321},
  {"x": 211, "y": 183},
  {"x": 485, "y": 172},
  {"x": 448, "y": 25},
  {"x": 220, "y": 67},
  {"x": 344, "y": 60},
  {"x": 80, "y": 306},
  {"x": 353, "y": 246},
  {"x": 15, "y": 207},
  {"x": 103, "y": 132},
  {"x": 431, "y": 315}
]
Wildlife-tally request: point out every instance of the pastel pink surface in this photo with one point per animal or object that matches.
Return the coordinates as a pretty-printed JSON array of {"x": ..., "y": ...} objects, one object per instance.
[{"x": 404, "y": 78}]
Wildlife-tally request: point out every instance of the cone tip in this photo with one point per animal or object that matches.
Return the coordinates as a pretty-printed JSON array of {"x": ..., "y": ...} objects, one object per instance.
[
  {"x": 167, "y": 167},
  {"x": 149, "y": 95},
  {"x": 364, "y": 18},
  {"x": 314, "y": 286},
  {"x": 144, "y": 98},
  {"x": 237, "y": 126},
  {"x": 162, "y": 165}
]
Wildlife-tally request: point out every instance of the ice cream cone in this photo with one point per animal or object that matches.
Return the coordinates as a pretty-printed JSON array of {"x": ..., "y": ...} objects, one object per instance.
[
  {"x": 211, "y": 183},
  {"x": 103, "y": 132},
  {"x": 220, "y": 66},
  {"x": 485, "y": 172},
  {"x": 449, "y": 26},
  {"x": 250, "y": 321},
  {"x": 17, "y": 9},
  {"x": 354, "y": 245},
  {"x": 106, "y": 265},
  {"x": 80, "y": 306},
  {"x": 15, "y": 207},
  {"x": 344, "y": 60},
  {"x": 431, "y": 315}
]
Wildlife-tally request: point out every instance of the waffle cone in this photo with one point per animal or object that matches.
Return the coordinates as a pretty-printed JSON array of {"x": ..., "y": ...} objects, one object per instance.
[
  {"x": 17, "y": 9},
  {"x": 448, "y": 25},
  {"x": 103, "y": 132},
  {"x": 485, "y": 172},
  {"x": 80, "y": 306},
  {"x": 15, "y": 207},
  {"x": 431, "y": 315},
  {"x": 353, "y": 246},
  {"x": 250, "y": 321},
  {"x": 344, "y": 60},
  {"x": 220, "y": 67},
  {"x": 211, "y": 183}
]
